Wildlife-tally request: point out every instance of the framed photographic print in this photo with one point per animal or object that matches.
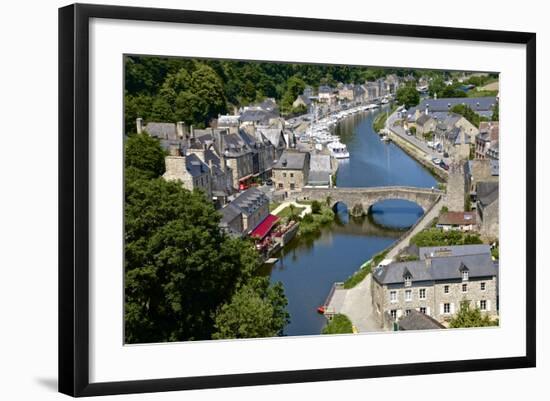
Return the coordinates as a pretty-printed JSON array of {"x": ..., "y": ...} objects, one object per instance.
[{"x": 251, "y": 199}]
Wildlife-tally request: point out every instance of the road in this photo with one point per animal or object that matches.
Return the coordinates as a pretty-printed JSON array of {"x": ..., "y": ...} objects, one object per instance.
[{"x": 413, "y": 140}]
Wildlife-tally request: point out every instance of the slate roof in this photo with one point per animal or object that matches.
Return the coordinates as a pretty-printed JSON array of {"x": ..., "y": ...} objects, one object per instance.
[
  {"x": 161, "y": 130},
  {"x": 234, "y": 145},
  {"x": 319, "y": 162},
  {"x": 423, "y": 119},
  {"x": 452, "y": 250},
  {"x": 477, "y": 104},
  {"x": 487, "y": 192},
  {"x": 418, "y": 321},
  {"x": 319, "y": 177},
  {"x": 457, "y": 218},
  {"x": 249, "y": 201},
  {"x": 292, "y": 160},
  {"x": 437, "y": 269},
  {"x": 258, "y": 115},
  {"x": 274, "y": 135},
  {"x": 195, "y": 166}
]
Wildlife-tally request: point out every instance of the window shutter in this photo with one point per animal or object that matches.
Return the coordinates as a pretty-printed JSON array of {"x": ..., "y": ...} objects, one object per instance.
[
  {"x": 440, "y": 309},
  {"x": 452, "y": 308},
  {"x": 399, "y": 313},
  {"x": 428, "y": 311},
  {"x": 478, "y": 303},
  {"x": 488, "y": 305}
]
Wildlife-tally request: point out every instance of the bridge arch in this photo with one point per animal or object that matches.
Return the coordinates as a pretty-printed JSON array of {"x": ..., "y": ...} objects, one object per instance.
[{"x": 363, "y": 198}]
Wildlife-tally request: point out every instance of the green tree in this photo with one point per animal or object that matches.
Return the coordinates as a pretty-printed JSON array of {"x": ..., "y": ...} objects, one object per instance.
[
  {"x": 339, "y": 324},
  {"x": 315, "y": 207},
  {"x": 494, "y": 117},
  {"x": 294, "y": 86},
  {"x": 467, "y": 113},
  {"x": 408, "y": 96},
  {"x": 255, "y": 310},
  {"x": 470, "y": 317},
  {"x": 144, "y": 153},
  {"x": 179, "y": 266}
]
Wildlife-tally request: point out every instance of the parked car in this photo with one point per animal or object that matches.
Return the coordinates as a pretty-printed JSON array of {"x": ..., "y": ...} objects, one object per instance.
[
  {"x": 269, "y": 182},
  {"x": 436, "y": 161},
  {"x": 443, "y": 165}
]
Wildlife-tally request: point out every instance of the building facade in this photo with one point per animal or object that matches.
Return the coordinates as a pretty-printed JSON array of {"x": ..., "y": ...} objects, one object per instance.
[
  {"x": 436, "y": 285},
  {"x": 291, "y": 172}
]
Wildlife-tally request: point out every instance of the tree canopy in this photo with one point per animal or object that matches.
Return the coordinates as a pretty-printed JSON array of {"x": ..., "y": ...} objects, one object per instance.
[
  {"x": 408, "y": 96},
  {"x": 470, "y": 115},
  {"x": 436, "y": 237},
  {"x": 144, "y": 153}
]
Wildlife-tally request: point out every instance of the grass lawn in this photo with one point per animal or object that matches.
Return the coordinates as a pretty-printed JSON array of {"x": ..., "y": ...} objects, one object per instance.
[
  {"x": 274, "y": 205},
  {"x": 286, "y": 211}
]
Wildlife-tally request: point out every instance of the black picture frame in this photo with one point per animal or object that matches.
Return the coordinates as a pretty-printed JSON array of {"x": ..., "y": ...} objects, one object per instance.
[{"x": 74, "y": 198}]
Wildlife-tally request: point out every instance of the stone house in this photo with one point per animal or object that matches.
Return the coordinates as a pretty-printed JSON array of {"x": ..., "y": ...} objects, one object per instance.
[
  {"x": 276, "y": 135},
  {"x": 347, "y": 92},
  {"x": 191, "y": 171},
  {"x": 487, "y": 207},
  {"x": 372, "y": 91},
  {"x": 462, "y": 221},
  {"x": 291, "y": 172},
  {"x": 242, "y": 215},
  {"x": 488, "y": 137},
  {"x": 302, "y": 100},
  {"x": 424, "y": 124},
  {"x": 238, "y": 156},
  {"x": 458, "y": 186},
  {"x": 327, "y": 94},
  {"x": 436, "y": 285},
  {"x": 220, "y": 174}
]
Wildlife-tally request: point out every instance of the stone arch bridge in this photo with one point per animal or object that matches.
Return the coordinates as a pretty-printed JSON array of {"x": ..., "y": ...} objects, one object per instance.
[{"x": 368, "y": 196}]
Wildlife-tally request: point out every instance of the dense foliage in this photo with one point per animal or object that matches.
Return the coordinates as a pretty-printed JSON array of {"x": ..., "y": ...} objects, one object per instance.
[
  {"x": 143, "y": 153},
  {"x": 468, "y": 114},
  {"x": 339, "y": 324},
  {"x": 182, "y": 273},
  {"x": 470, "y": 317},
  {"x": 196, "y": 90},
  {"x": 436, "y": 237},
  {"x": 408, "y": 95}
]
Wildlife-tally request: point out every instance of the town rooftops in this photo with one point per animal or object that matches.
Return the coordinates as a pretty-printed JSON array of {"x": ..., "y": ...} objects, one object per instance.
[
  {"x": 437, "y": 269},
  {"x": 195, "y": 166},
  {"x": 452, "y": 250},
  {"x": 161, "y": 130},
  {"x": 249, "y": 201},
  {"x": 416, "y": 320},
  {"x": 325, "y": 89},
  {"x": 488, "y": 131},
  {"x": 423, "y": 119},
  {"x": 229, "y": 120},
  {"x": 457, "y": 218},
  {"x": 477, "y": 104},
  {"x": 274, "y": 135},
  {"x": 487, "y": 192},
  {"x": 258, "y": 115},
  {"x": 292, "y": 160}
]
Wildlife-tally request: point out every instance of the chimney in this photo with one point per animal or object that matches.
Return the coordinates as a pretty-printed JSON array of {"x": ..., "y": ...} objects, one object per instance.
[
  {"x": 139, "y": 125},
  {"x": 181, "y": 129},
  {"x": 174, "y": 150},
  {"x": 192, "y": 130},
  {"x": 428, "y": 259},
  {"x": 427, "y": 109}
]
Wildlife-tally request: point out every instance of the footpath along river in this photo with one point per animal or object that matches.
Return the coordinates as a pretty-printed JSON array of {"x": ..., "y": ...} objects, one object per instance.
[{"x": 308, "y": 267}]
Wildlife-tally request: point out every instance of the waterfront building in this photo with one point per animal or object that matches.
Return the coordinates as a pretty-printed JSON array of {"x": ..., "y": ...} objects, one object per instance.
[
  {"x": 462, "y": 221},
  {"x": 415, "y": 320},
  {"x": 327, "y": 94},
  {"x": 291, "y": 172},
  {"x": 242, "y": 215},
  {"x": 438, "y": 284},
  {"x": 487, "y": 207},
  {"x": 320, "y": 171}
]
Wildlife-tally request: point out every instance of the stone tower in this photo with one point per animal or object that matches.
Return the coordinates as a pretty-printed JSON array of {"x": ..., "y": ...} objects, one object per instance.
[{"x": 457, "y": 186}]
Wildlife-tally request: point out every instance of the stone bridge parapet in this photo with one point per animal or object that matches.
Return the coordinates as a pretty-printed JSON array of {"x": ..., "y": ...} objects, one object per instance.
[{"x": 364, "y": 198}]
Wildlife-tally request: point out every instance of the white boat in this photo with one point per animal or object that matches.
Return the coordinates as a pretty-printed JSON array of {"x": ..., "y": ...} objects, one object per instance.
[{"x": 338, "y": 150}]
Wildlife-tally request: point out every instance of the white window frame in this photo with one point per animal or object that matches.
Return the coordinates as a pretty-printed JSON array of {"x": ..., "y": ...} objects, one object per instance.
[
  {"x": 465, "y": 275},
  {"x": 420, "y": 292},
  {"x": 446, "y": 308},
  {"x": 483, "y": 286},
  {"x": 393, "y": 314},
  {"x": 464, "y": 287},
  {"x": 393, "y": 296},
  {"x": 446, "y": 289},
  {"x": 481, "y": 307},
  {"x": 425, "y": 309},
  {"x": 408, "y": 295}
]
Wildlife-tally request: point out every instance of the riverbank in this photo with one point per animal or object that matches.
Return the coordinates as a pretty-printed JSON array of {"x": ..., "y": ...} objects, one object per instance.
[{"x": 419, "y": 155}]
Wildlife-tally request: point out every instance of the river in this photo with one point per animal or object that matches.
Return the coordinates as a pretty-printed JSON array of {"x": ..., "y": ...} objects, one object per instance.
[{"x": 308, "y": 267}]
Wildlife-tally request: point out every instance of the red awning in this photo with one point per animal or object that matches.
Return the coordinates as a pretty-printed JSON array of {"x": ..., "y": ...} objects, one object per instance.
[{"x": 264, "y": 227}]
